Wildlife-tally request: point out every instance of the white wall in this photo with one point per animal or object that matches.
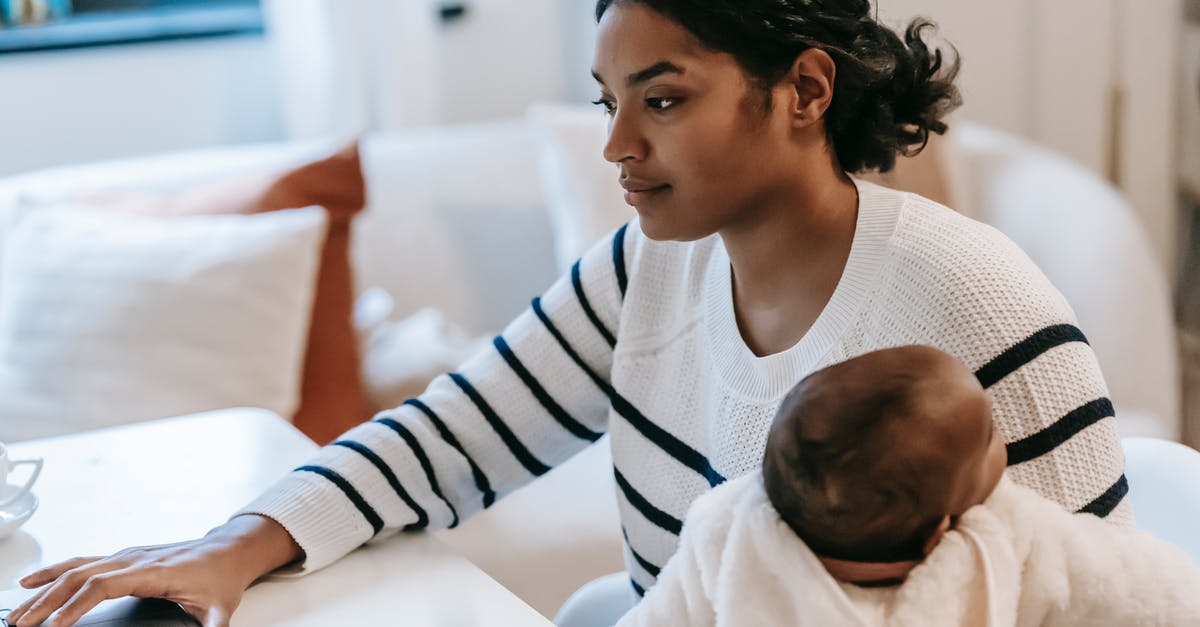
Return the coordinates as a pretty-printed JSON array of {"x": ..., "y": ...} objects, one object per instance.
[
  {"x": 350, "y": 66},
  {"x": 1150, "y": 135},
  {"x": 81, "y": 105},
  {"x": 505, "y": 54},
  {"x": 1043, "y": 70},
  {"x": 1048, "y": 70}
]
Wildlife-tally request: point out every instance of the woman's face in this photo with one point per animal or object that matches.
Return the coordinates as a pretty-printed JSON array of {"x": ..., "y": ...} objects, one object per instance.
[{"x": 695, "y": 149}]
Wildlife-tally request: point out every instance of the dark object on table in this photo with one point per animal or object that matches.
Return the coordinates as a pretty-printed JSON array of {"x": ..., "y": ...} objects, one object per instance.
[{"x": 127, "y": 612}]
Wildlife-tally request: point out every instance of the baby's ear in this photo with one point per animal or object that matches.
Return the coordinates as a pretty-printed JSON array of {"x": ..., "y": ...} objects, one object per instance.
[{"x": 937, "y": 535}]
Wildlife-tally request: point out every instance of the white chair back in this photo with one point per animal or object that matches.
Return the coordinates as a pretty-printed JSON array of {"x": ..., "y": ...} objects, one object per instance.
[{"x": 1164, "y": 486}]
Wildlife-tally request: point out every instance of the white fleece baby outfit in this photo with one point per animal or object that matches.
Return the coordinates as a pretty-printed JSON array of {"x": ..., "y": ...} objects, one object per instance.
[{"x": 1017, "y": 560}]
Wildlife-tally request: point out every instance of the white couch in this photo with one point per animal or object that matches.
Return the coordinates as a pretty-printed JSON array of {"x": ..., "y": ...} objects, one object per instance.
[{"x": 457, "y": 219}]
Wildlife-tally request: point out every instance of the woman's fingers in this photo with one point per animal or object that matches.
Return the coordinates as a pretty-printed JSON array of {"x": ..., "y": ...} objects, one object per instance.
[
  {"x": 39, "y": 578},
  {"x": 199, "y": 574},
  {"x": 37, "y": 609},
  {"x": 98, "y": 587},
  {"x": 19, "y": 611}
]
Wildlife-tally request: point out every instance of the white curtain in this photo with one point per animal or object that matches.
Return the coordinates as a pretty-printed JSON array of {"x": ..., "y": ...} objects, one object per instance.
[{"x": 350, "y": 66}]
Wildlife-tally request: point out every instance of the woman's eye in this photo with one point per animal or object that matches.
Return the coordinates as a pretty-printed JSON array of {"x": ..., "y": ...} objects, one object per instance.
[
  {"x": 661, "y": 104},
  {"x": 609, "y": 106}
]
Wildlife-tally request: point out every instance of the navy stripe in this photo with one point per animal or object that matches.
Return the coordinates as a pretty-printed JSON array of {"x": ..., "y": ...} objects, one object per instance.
[
  {"x": 481, "y": 480},
  {"x": 531, "y": 463},
  {"x": 652, "y": 513},
  {"x": 423, "y": 459},
  {"x": 359, "y": 502},
  {"x": 1026, "y": 351},
  {"x": 560, "y": 415},
  {"x": 1107, "y": 502},
  {"x": 422, "y": 517},
  {"x": 587, "y": 307},
  {"x": 674, "y": 447},
  {"x": 1046, "y": 440},
  {"x": 643, "y": 562},
  {"x": 562, "y": 342},
  {"x": 619, "y": 258},
  {"x": 636, "y": 588}
]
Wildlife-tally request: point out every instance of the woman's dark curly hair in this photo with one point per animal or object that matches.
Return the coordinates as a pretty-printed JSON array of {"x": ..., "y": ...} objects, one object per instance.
[{"x": 888, "y": 94}]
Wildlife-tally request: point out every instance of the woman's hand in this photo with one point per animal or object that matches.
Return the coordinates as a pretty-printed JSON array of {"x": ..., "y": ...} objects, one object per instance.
[{"x": 206, "y": 577}]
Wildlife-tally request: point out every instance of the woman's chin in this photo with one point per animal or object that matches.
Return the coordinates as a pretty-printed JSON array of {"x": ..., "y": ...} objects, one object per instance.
[
  {"x": 663, "y": 229},
  {"x": 658, "y": 227},
  {"x": 665, "y": 221}
]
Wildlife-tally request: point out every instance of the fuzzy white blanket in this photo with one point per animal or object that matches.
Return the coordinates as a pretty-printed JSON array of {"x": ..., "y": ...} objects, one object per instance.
[{"x": 1016, "y": 560}]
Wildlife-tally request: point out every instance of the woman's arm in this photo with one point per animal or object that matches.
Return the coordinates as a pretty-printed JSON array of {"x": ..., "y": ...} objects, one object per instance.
[
  {"x": 1051, "y": 404},
  {"x": 536, "y": 397},
  {"x": 991, "y": 306},
  {"x": 966, "y": 288}
]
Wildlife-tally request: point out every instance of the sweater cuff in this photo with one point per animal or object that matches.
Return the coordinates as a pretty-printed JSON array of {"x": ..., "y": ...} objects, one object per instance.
[{"x": 318, "y": 517}]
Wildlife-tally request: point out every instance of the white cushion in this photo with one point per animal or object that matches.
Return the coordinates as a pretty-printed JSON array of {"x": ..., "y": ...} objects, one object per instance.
[
  {"x": 167, "y": 172},
  {"x": 108, "y": 319},
  {"x": 583, "y": 198},
  {"x": 402, "y": 357}
]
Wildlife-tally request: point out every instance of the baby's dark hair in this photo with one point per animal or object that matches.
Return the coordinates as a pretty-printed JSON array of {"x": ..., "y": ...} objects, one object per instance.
[
  {"x": 888, "y": 95},
  {"x": 836, "y": 469}
]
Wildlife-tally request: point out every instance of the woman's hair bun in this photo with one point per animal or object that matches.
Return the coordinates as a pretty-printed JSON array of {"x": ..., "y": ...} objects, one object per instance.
[{"x": 889, "y": 95}]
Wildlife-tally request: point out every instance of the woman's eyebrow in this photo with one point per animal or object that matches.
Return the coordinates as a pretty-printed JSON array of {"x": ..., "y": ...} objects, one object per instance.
[{"x": 641, "y": 76}]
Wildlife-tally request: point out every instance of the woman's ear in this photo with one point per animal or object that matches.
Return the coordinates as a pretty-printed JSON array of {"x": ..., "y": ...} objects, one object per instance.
[{"x": 811, "y": 78}]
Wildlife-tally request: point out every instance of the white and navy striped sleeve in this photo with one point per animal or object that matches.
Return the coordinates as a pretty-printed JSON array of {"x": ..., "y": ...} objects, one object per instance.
[
  {"x": 974, "y": 293},
  {"x": 535, "y": 397},
  {"x": 1052, "y": 406}
]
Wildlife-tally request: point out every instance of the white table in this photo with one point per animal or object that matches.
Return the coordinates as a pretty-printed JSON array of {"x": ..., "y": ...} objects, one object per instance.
[{"x": 174, "y": 479}]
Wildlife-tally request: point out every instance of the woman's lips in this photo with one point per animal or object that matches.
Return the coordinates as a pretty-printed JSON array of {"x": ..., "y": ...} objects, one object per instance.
[{"x": 640, "y": 196}]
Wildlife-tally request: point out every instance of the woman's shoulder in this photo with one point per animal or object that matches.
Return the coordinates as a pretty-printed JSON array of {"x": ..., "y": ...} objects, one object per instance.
[
  {"x": 955, "y": 283},
  {"x": 965, "y": 263},
  {"x": 937, "y": 234}
]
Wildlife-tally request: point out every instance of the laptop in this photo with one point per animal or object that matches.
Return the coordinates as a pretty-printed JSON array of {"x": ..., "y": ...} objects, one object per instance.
[{"x": 127, "y": 612}]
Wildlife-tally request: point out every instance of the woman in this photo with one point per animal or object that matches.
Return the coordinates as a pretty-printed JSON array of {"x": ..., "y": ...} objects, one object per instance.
[{"x": 754, "y": 261}]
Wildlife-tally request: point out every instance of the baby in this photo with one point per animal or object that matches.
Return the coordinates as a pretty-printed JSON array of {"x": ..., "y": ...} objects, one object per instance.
[{"x": 882, "y": 501}]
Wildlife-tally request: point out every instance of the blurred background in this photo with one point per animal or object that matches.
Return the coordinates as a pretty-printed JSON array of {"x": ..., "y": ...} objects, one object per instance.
[
  {"x": 1079, "y": 140},
  {"x": 1109, "y": 83},
  {"x": 1113, "y": 85}
]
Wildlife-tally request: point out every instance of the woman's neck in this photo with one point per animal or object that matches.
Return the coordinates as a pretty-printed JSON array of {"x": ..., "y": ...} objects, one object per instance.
[{"x": 788, "y": 255}]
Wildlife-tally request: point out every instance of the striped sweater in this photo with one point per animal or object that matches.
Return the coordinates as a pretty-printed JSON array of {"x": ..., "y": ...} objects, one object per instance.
[{"x": 640, "y": 340}]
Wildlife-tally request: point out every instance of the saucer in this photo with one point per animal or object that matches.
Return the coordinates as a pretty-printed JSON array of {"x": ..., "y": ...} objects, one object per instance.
[{"x": 15, "y": 515}]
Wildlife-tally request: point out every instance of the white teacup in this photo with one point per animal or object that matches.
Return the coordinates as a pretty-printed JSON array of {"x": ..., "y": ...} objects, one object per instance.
[{"x": 7, "y": 465}]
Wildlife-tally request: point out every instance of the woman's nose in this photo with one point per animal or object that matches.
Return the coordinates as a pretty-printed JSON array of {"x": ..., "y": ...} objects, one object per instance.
[{"x": 625, "y": 140}]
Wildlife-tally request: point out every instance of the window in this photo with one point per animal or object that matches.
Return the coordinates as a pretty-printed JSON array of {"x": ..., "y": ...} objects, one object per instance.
[{"x": 108, "y": 22}]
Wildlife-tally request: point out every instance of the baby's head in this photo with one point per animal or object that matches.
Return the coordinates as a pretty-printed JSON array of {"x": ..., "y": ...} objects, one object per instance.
[{"x": 866, "y": 459}]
